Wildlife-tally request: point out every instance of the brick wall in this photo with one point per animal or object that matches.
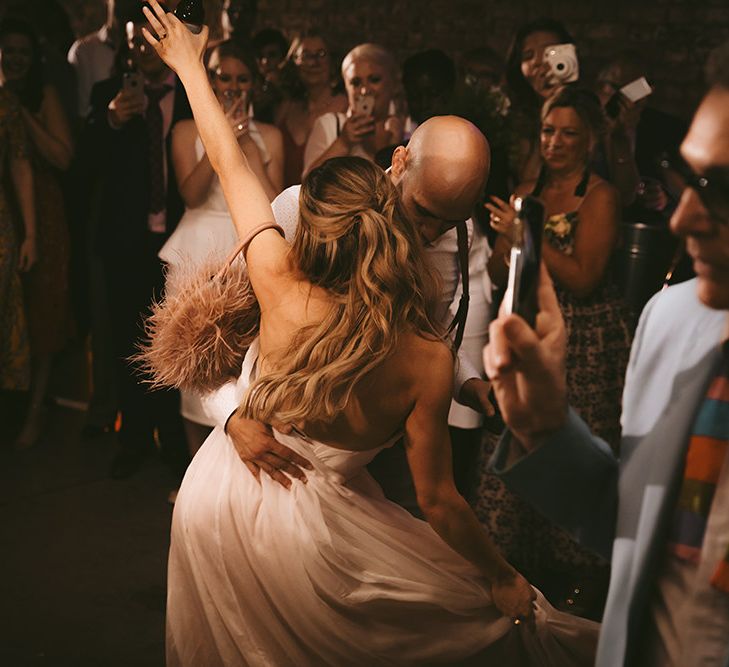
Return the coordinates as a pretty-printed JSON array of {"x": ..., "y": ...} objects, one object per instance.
[{"x": 673, "y": 35}]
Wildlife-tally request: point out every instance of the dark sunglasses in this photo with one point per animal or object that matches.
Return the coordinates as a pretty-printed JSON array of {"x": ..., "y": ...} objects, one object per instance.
[{"x": 712, "y": 189}]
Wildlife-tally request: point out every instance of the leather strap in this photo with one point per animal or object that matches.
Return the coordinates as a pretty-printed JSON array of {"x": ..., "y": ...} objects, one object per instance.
[
  {"x": 246, "y": 241},
  {"x": 459, "y": 320}
]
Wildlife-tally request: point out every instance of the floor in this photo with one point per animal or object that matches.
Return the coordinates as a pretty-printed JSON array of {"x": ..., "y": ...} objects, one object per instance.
[{"x": 83, "y": 556}]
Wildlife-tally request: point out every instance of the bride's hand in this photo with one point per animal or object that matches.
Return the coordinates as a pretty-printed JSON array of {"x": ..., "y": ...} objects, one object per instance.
[
  {"x": 173, "y": 42},
  {"x": 514, "y": 597}
]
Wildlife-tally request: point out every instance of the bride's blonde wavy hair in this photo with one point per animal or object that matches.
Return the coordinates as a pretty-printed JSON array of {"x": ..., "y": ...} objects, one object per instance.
[{"x": 354, "y": 241}]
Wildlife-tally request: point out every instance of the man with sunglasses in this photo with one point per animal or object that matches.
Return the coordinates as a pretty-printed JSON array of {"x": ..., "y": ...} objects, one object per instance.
[{"x": 662, "y": 511}]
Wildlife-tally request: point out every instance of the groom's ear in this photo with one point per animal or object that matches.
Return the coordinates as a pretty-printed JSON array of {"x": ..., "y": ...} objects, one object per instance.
[{"x": 400, "y": 159}]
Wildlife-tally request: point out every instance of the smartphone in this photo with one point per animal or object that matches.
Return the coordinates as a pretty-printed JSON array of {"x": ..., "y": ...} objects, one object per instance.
[
  {"x": 231, "y": 97},
  {"x": 133, "y": 84},
  {"x": 633, "y": 92},
  {"x": 636, "y": 90},
  {"x": 364, "y": 105},
  {"x": 524, "y": 260}
]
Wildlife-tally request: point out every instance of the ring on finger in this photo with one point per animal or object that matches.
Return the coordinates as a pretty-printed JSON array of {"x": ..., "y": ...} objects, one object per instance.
[{"x": 163, "y": 36}]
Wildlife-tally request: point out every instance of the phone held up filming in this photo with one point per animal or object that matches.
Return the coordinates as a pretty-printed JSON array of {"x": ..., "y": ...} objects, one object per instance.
[
  {"x": 633, "y": 92},
  {"x": 524, "y": 260},
  {"x": 364, "y": 105},
  {"x": 238, "y": 99},
  {"x": 133, "y": 84}
]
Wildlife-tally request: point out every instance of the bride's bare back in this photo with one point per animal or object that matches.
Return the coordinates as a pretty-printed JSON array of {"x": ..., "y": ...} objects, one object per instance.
[{"x": 381, "y": 402}]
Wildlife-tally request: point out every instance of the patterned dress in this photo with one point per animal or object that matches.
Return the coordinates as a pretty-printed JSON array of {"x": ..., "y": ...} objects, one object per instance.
[
  {"x": 46, "y": 284},
  {"x": 14, "y": 348},
  {"x": 599, "y": 335}
]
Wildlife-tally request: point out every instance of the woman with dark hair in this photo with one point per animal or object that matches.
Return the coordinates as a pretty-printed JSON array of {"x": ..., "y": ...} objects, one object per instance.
[
  {"x": 51, "y": 150},
  {"x": 528, "y": 86},
  {"x": 206, "y": 230},
  {"x": 270, "y": 47},
  {"x": 340, "y": 348},
  {"x": 309, "y": 84},
  {"x": 582, "y": 215}
]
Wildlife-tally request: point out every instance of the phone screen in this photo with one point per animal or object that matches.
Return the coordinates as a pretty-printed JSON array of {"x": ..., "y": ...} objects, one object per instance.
[
  {"x": 364, "y": 105},
  {"x": 133, "y": 83},
  {"x": 232, "y": 97},
  {"x": 526, "y": 255}
]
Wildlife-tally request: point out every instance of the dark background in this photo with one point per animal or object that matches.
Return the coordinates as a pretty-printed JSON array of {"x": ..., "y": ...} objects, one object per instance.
[{"x": 673, "y": 35}]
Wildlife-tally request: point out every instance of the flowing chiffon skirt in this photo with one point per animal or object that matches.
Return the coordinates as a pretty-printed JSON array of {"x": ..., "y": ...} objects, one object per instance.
[{"x": 330, "y": 573}]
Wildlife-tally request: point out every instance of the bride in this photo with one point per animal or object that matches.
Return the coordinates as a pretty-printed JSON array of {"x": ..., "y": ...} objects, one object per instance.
[{"x": 330, "y": 572}]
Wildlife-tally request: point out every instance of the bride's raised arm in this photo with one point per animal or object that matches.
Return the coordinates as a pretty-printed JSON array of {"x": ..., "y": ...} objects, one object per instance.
[{"x": 248, "y": 203}]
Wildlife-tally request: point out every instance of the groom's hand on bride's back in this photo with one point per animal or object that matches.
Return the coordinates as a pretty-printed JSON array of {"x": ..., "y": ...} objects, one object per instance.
[{"x": 260, "y": 451}]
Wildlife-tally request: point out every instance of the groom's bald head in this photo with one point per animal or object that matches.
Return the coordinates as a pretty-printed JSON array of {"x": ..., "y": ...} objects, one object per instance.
[{"x": 441, "y": 173}]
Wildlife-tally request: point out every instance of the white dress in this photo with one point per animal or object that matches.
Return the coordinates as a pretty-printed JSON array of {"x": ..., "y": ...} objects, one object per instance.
[
  {"x": 328, "y": 573},
  {"x": 205, "y": 232},
  {"x": 323, "y": 134}
]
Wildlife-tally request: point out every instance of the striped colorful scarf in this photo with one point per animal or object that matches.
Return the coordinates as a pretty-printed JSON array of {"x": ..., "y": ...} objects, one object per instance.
[{"x": 707, "y": 450}]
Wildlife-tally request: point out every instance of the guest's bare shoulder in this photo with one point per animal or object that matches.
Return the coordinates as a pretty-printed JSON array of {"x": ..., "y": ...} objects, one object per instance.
[
  {"x": 429, "y": 361},
  {"x": 601, "y": 190},
  {"x": 268, "y": 132}
]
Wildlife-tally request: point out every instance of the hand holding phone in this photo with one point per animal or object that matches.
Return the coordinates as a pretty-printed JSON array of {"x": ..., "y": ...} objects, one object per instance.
[
  {"x": 128, "y": 102},
  {"x": 526, "y": 367},
  {"x": 524, "y": 260},
  {"x": 632, "y": 92},
  {"x": 356, "y": 128},
  {"x": 237, "y": 102},
  {"x": 133, "y": 85},
  {"x": 364, "y": 105}
]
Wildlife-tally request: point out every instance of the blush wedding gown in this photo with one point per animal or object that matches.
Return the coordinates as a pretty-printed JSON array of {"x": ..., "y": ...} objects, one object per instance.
[{"x": 330, "y": 572}]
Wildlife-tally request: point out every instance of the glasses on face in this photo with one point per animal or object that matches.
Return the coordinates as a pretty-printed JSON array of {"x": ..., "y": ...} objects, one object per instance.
[
  {"x": 712, "y": 189},
  {"x": 310, "y": 56}
]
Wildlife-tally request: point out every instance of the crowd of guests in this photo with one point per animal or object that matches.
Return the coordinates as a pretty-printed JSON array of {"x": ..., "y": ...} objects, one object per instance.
[{"x": 103, "y": 193}]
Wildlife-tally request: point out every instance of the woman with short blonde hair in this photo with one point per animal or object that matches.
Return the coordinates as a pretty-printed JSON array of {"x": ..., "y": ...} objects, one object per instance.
[{"x": 372, "y": 81}]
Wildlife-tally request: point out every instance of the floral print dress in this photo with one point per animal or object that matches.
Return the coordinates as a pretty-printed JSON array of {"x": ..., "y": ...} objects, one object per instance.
[
  {"x": 599, "y": 336},
  {"x": 14, "y": 348}
]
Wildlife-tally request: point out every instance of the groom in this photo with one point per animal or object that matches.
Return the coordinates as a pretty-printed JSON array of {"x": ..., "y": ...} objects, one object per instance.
[{"x": 440, "y": 176}]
